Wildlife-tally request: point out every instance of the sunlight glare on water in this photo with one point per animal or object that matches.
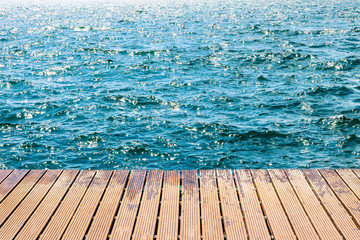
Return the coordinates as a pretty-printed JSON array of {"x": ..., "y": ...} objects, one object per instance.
[{"x": 94, "y": 84}]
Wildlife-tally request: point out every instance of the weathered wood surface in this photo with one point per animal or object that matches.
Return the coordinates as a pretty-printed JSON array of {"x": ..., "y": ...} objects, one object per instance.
[{"x": 156, "y": 204}]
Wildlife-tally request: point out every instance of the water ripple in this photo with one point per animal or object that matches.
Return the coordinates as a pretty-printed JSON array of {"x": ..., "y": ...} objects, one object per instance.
[{"x": 193, "y": 85}]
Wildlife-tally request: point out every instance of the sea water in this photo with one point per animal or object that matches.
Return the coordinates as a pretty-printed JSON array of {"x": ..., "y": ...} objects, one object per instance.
[{"x": 180, "y": 84}]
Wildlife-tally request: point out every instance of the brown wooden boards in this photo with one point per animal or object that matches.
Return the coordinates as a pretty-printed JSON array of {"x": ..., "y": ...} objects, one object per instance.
[
  {"x": 230, "y": 205},
  {"x": 17, "y": 195},
  {"x": 43, "y": 213},
  {"x": 333, "y": 206},
  {"x": 312, "y": 206},
  {"x": 210, "y": 209},
  {"x": 254, "y": 218},
  {"x": 12, "y": 225},
  {"x": 297, "y": 215},
  {"x": 11, "y": 181},
  {"x": 103, "y": 219},
  {"x": 4, "y": 173},
  {"x": 169, "y": 209},
  {"x": 357, "y": 172},
  {"x": 129, "y": 206},
  {"x": 146, "y": 219},
  {"x": 351, "y": 180},
  {"x": 60, "y": 219},
  {"x": 346, "y": 196},
  {"x": 273, "y": 209},
  {"x": 86, "y": 209},
  {"x": 190, "y": 207}
]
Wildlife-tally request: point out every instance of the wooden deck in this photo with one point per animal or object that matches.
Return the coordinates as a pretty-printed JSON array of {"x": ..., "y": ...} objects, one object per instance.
[{"x": 156, "y": 204}]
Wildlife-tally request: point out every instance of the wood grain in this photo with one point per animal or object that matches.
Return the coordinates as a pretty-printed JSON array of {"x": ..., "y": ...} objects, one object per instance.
[
  {"x": 190, "y": 207},
  {"x": 319, "y": 217},
  {"x": 169, "y": 211},
  {"x": 254, "y": 217},
  {"x": 333, "y": 206},
  {"x": 210, "y": 208},
  {"x": 11, "y": 181},
  {"x": 104, "y": 217},
  {"x": 44, "y": 211},
  {"x": 4, "y": 173},
  {"x": 273, "y": 209},
  {"x": 25, "y": 209},
  {"x": 17, "y": 195},
  {"x": 62, "y": 216},
  {"x": 125, "y": 219},
  {"x": 297, "y": 215},
  {"x": 86, "y": 209},
  {"x": 230, "y": 205}
]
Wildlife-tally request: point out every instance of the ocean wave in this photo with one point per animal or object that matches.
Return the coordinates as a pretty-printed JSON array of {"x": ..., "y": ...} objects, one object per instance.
[
  {"x": 340, "y": 121},
  {"x": 195, "y": 85},
  {"x": 322, "y": 91},
  {"x": 15, "y": 83}
]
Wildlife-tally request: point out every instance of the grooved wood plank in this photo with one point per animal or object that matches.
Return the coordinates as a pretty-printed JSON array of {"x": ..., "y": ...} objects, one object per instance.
[
  {"x": 190, "y": 207},
  {"x": 351, "y": 180},
  {"x": 125, "y": 219},
  {"x": 44, "y": 211},
  {"x": 321, "y": 221},
  {"x": 346, "y": 196},
  {"x": 274, "y": 211},
  {"x": 333, "y": 206},
  {"x": 20, "y": 191},
  {"x": 62, "y": 216},
  {"x": 169, "y": 210},
  {"x": 297, "y": 215},
  {"x": 11, "y": 181},
  {"x": 210, "y": 208},
  {"x": 65, "y": 204},
  {"x": 230, "y": 205},
  {"x": 254, "y": 218},
  {"x": 28, "y": 205},
  {"x": 86, "y": 209},
  {"x": 146, "y": 220},
  {"x": 4, "y": 173},
  {"x": 356, "y": 172},
  {"x": 103, "y": 219}
]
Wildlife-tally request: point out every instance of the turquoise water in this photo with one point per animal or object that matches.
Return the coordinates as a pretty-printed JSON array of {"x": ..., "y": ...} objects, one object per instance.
[{"x": 180, "y": 85}]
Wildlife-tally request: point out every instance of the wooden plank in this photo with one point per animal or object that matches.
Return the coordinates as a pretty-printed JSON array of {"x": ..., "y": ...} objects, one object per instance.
[
  {"x": 351, "y": 180},
  {"x": 126, "y": 215},
  {"x": 11, "y": 181},
  {"x": 4, "y": 173},
  {"x": 146, "y": 220},
  {"x": 169, "y": 211},
  {"x": 62, "y": 216},
  {"x": 210, "y": 208},
  {"x": 17, "y": 195},
  {"x": 346, "y": 196},
  {"x": 254, "y": 218},
  {"x": 190, "y": 207},
  {"x": 86, "y": 209},
  {"x": 43, "y": 213},
  {"x": 278, "y": 220},
  {"x": 103, "y": 219},
  {"x": 28, "y": 205},
  {"x": 317, "y": 214},
  {"x": 295, "y": 212},
  {"x": 333, "y": 206},
  {"x": 356, "y": 172},
  {"x": 230, "y": 206}
]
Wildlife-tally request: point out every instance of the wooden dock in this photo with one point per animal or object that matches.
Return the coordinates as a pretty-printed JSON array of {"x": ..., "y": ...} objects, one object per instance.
[{"x": 156, "y": 204}]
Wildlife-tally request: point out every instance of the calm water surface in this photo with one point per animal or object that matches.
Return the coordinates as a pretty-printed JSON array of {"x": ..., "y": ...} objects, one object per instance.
[{"x": 180, "y": 85}]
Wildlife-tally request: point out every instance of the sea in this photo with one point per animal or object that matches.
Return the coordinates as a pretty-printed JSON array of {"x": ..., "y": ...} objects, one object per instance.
[{"x": 179, "y": 84}]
